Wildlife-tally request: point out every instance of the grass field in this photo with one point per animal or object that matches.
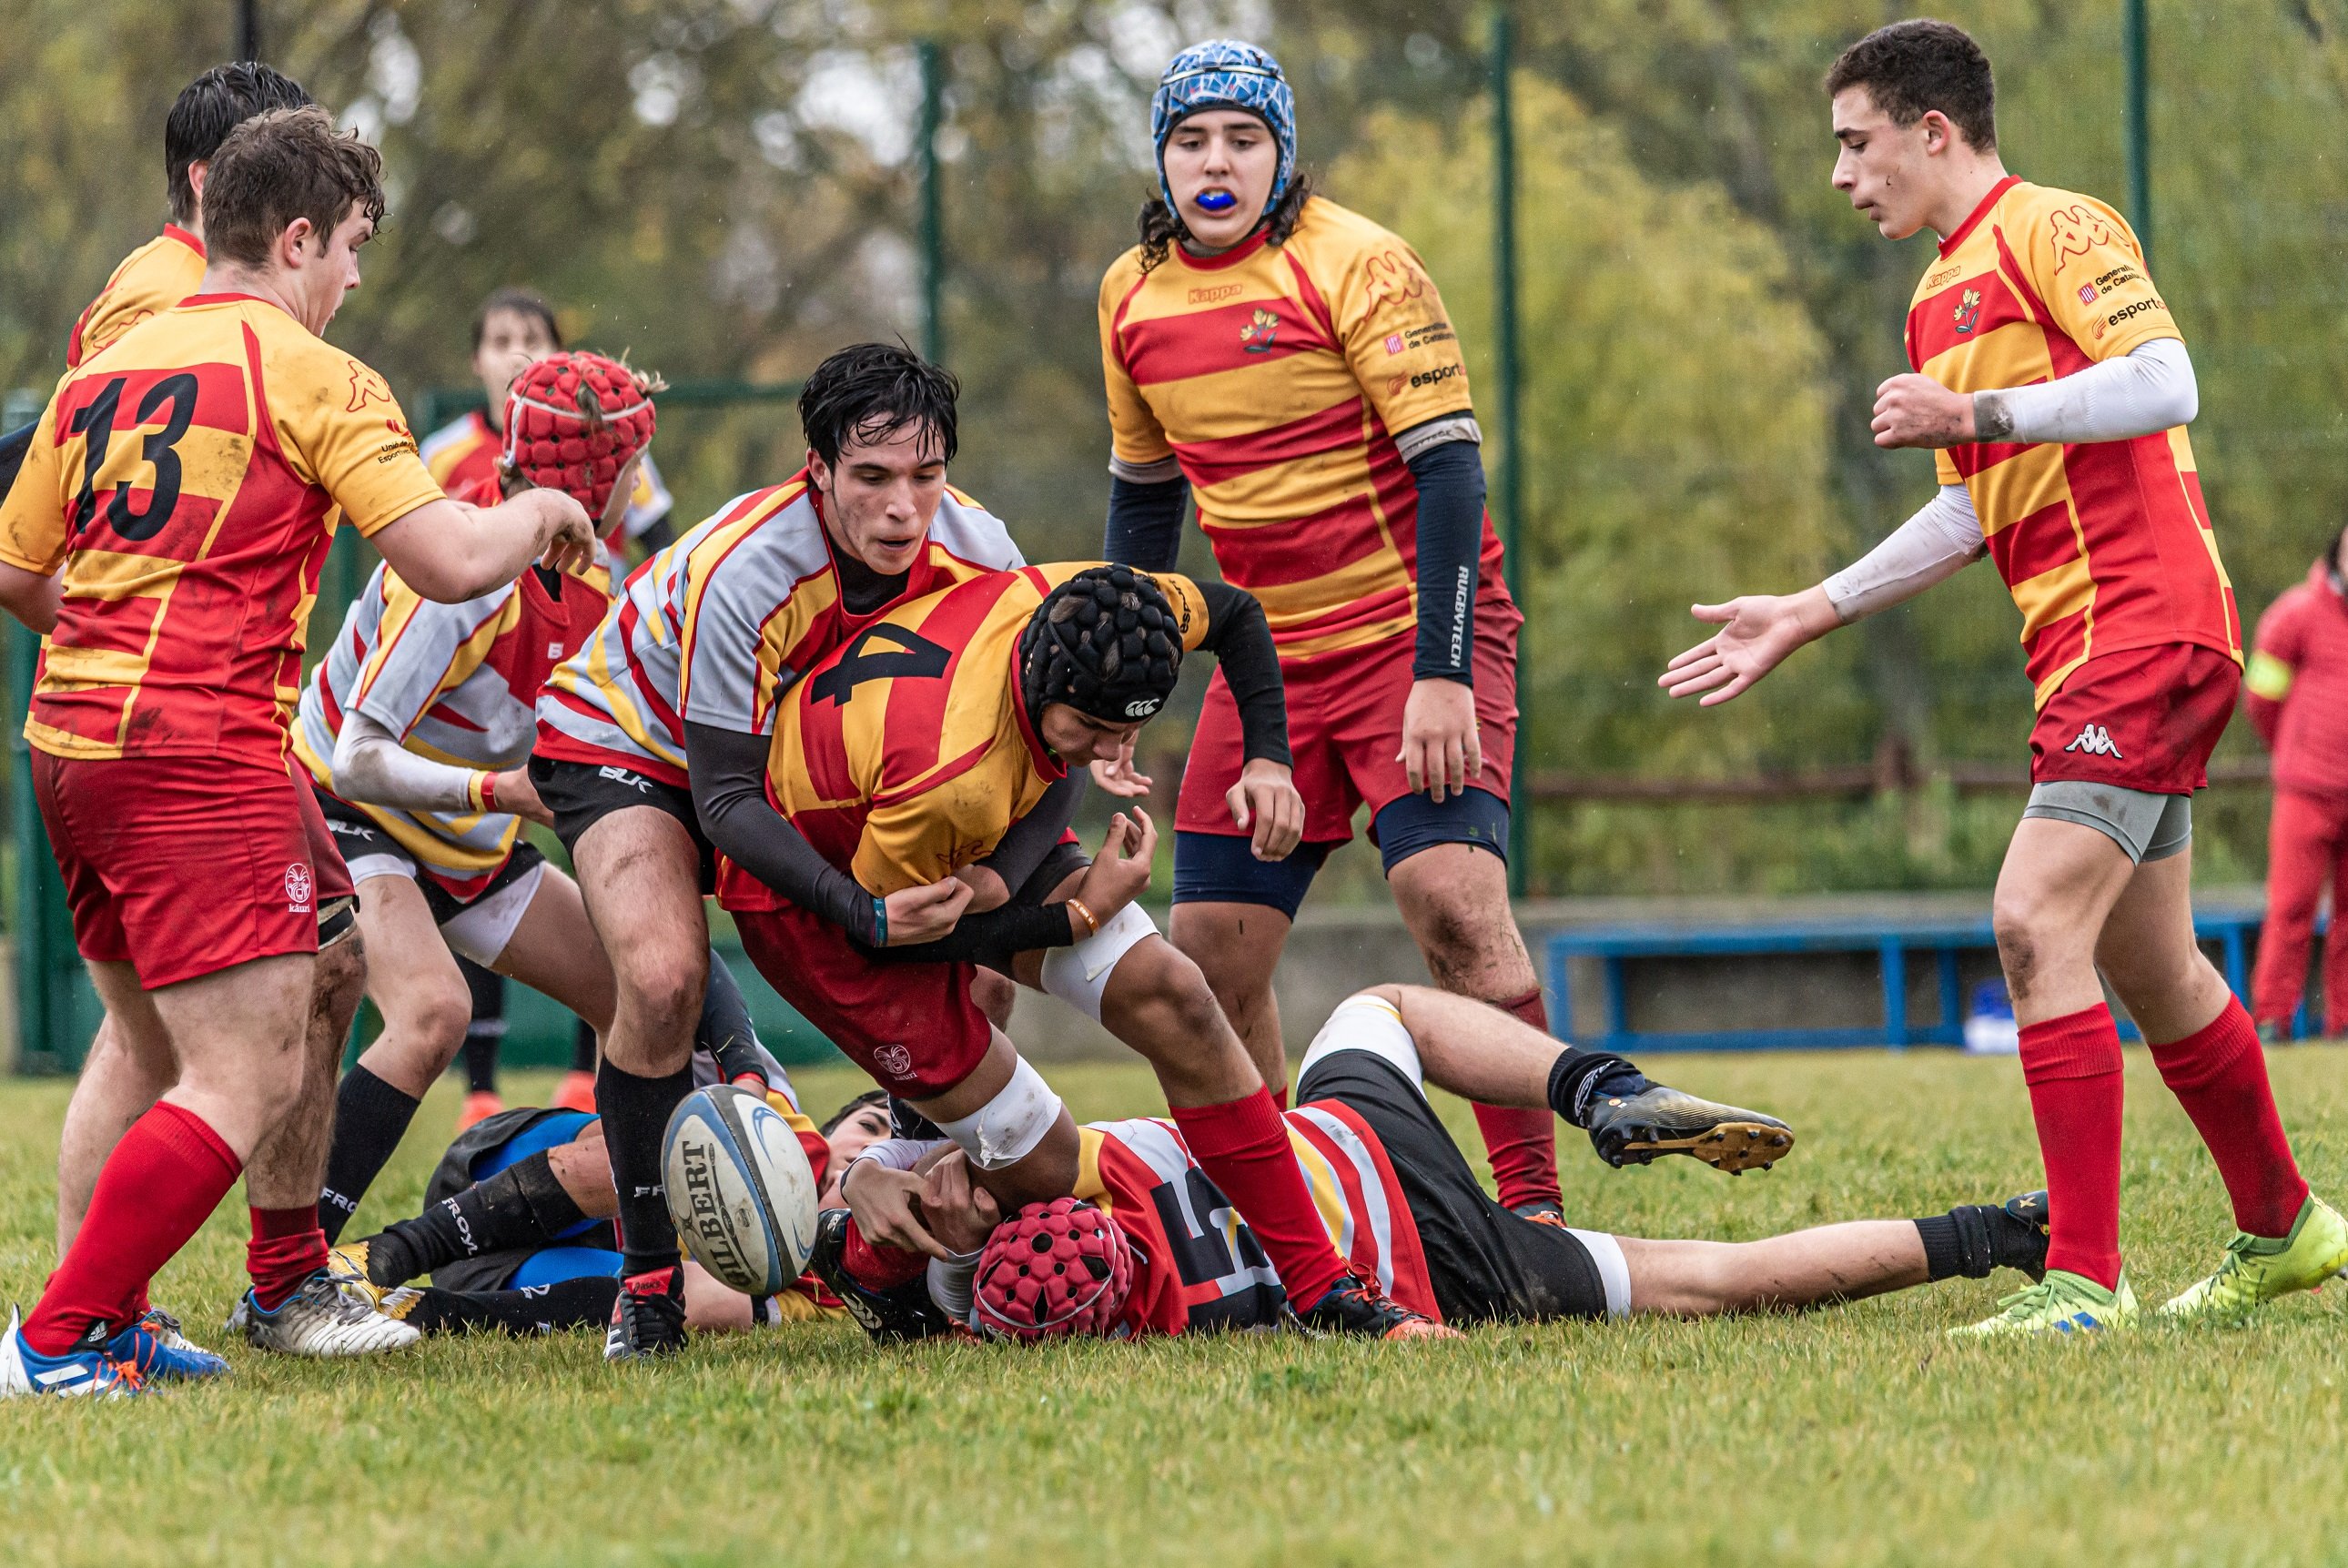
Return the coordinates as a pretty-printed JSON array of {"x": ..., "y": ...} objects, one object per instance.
[{"x": 1844, "y": 1436}]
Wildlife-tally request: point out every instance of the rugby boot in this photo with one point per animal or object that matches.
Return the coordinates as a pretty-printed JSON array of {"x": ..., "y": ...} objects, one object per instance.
[
  {"x": 86, "y": 1370},
  {"x": 480, "y": 1105},
  {"x": 1356, "y": 1306},
  {"x": 1541, "y": 1212},
  {"x": 154, "y": 1345},
  {"x": 2026, "y": 1217},
  {"x": 648, "y": 1319},
  {"x": 575, "y": 1092},
  {"x": 2062, "y": 1303},
  {"x": 327, "y": 1317},
  {"x": 1635, "y": 1130},
  {"x": 2257, "y": 1269},
  {"x": 890, "y": 1316},
  {"x": 347, "y": 1262}
]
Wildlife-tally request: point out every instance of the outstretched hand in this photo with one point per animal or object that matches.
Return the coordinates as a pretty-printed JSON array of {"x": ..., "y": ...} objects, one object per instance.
[{"x": 1756, "y": 632}]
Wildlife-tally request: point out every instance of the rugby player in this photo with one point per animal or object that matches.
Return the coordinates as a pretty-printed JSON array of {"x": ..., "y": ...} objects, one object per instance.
[
  {"x": 417, "y": 725},
  {"x": 1146, "y": 1246},
  {"x": 1292, "y": 364},
  {"x": 112, "y": 1092},
  {"x": 167, "y": 530},
  {"x": 919, "y": 754},
  {"x": 697, "y": 653},
  {"x": 2049, "y": 378},
  {"x": 514, "y": 328},
  {"x": 516, "y": 1229}
]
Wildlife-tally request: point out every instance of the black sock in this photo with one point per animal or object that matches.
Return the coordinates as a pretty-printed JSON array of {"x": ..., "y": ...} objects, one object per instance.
[
  {"x": 542, "y": 1309},
  {"x": 487, "y": 1032},
  {"x": 522, "y": 1206},
  {"x": 726, "y": 1031},
  {"x": 1580, "y": 1077},
  {"x": 635, "y": 1112},
  {"x": 370, "y": 1119},
  {"x": 582, "y": 1047},
  {"x": 1974, "y": 1238}
]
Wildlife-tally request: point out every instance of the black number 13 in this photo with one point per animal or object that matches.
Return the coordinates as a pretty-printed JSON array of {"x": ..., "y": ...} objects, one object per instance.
[{"x": 95, "y": 423}]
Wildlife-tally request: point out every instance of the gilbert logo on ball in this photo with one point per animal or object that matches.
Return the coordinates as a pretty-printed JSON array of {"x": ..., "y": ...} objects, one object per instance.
[{"x": 739, "y": 1188}]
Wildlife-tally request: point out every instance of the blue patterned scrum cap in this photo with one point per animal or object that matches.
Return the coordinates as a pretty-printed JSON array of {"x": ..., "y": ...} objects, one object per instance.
[{"x": 1224, "y": 73}]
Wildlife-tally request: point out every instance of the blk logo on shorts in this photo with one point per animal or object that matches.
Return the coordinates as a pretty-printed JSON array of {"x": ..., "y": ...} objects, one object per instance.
[
  {"x": 894, "y": 1060},
  {"x": 2095, "y": 740},
  {"x": 297, "y": 889}
]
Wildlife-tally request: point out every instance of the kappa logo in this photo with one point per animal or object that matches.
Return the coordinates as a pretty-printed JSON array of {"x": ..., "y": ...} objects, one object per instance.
[
  {"x": 367, "y": 388},
  {"x": 2078, "y": 230},
  {"x": 2095, "y": 740},
  {"x": 297, "y": 889},
  {"x": 1257, "y": 335},
  {"x": 894, "y": 1060},
  {"x": 1212, "y": 294},
  {"x": 1968, "y": 311}
]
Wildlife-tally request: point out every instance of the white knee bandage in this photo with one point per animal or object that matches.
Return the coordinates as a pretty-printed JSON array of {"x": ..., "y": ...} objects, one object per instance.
[
  {"x": 1079, "y": 974},
  {"x": 1007, "y": 1128},
  {"x": 1366, "y": 1024}
]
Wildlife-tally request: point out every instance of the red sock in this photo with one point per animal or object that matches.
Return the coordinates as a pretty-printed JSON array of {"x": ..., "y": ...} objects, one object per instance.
[
  {"x": 161, "y": 1183},
  {"x": 288, "y": 1247},
  {"x": 1243, "y": 1145},
  {"x": 2220, "y": 1076},
  {"x": 2072, "y": 1064},
  {"x": 1522, "y": 1141},
  {"x": 1280, "y": 1098},
  {"x": 878, "y": 1268}
]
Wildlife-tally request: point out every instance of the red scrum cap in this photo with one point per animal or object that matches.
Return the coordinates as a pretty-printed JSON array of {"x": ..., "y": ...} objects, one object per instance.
[
  {"x": 1053, "y": 1269},
  {"x": 572, "y": 421}
]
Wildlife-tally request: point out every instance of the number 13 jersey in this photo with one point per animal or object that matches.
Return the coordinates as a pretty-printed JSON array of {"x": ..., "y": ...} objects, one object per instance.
[{"x": 189, "y": 479}]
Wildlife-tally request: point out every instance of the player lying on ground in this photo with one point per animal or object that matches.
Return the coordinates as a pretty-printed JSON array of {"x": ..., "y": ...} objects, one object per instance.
[
  {"x": 417, "y": 725},
  {"x": 1289, "y": 365},
  {"x": 115, "y": 1088},
  {"x": 1150, "y": 1245},
  {"x": 704, "y": 641},
  {"x": 517, "y": 1235},
  {"x": 197, "y": 537},
  {"x": 901, "y": 768},
  {"x": 2048, "y": 374}
]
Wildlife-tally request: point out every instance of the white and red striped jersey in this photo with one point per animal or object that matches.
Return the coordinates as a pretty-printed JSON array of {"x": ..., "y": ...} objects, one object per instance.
[{"x": 716, "y": 626}]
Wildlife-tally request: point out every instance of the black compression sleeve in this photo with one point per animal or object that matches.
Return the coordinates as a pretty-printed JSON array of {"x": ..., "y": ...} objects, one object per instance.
[
  {"x": 1145, "y": 524},
  {"x": 996, "y": 933},
  {"x": 1450, "y": 538},
  {"x": 1240, "y": 637},
  {"x": 728, "y": 770}
]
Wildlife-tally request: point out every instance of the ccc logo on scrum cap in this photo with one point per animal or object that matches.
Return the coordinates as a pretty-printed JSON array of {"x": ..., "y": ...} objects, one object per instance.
[{"x": 1141, "y": 707}]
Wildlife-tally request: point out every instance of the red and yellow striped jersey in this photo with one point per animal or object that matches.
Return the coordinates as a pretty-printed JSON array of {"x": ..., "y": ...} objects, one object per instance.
[
  {"x": 1278, "y": 377},
  {"x": 151, "y": 279},
  {"x": 1197, "y": 1267},
  {"x": 465, "y": 451},
  {"x": 189, "y": 479},
  {"x": 457, "y": 684},
  {"x": 714, "y": 627},
  {"x": 2106, "y": 545},
  {"x": 908, "y": 753}
]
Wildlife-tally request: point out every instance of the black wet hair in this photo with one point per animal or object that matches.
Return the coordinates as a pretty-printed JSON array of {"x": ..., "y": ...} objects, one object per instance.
[
  {"x": 206, "y": 110},
  {"x": 1106, "y": 643},
  {"x": 868, "y": 392},
  {"x": 870, "y": 1096}
]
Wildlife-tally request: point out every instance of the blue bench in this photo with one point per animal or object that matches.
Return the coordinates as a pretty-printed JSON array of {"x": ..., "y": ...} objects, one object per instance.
[{"x": 1896, "y": 944}]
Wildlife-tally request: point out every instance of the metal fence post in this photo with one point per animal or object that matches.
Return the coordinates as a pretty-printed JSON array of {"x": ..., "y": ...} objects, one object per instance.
[
  {"x": 934, "y": 260},
  {"x": 1509, "y": 487},
  {"x": 2140, "y": 124}
]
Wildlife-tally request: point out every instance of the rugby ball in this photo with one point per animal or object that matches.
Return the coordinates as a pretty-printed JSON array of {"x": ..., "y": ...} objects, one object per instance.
[{"x": 739, "y": 1188}]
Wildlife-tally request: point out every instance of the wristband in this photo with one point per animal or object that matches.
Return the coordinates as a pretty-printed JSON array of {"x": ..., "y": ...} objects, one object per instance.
[
  {"x": 489, "y": 791},
  {"x": 879, "y": 922},
  {"x": 1092, "y": 926}
]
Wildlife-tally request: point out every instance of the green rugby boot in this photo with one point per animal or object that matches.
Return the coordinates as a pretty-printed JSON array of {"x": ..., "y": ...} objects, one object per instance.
[
  {"x": 2062, "y": 1303},
  {"x": 2257, "y": 1269}
]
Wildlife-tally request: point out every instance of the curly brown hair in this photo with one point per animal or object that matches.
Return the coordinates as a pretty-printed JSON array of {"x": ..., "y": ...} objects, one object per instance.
[{"x": 1161, "y": 226}]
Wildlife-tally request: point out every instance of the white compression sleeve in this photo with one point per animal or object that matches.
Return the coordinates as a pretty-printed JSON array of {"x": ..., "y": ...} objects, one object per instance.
[
  {"x": 2149, "y": 389},
  {"x": 1939, "y": 541},
  {"x": 371, "y": 766}
]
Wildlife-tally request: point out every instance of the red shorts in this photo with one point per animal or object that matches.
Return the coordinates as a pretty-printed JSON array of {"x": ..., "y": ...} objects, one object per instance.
[
  {"x": 912, "y": 1026},
  {"x": 1345, "y": 726},
  {"x": 183, "y": 866},
  {"x": 2143, "y": 718}
]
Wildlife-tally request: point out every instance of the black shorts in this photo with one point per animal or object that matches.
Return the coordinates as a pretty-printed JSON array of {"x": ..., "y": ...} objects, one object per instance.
[
  {"x": 1486, "y": 1263},
  {"x": 358, "y": 835},
  {"x": 581, "y": 794},
  {"x": 494, "y": 1271}
]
